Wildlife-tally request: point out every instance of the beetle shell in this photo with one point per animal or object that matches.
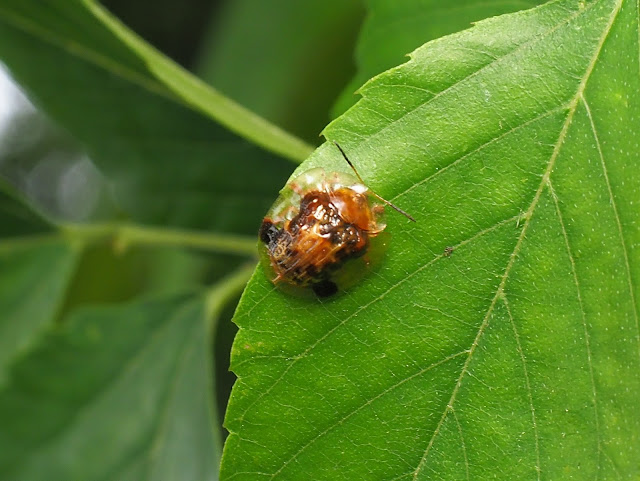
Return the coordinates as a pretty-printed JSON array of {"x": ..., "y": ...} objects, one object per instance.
[{"x": 321, "y": 222}]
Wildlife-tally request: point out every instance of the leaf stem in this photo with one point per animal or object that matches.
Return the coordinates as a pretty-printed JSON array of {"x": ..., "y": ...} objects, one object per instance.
[
  {"x": 126, "y": 235},
  {"x": 224, "y": 290},
  {"x": 199, "y": 96},
  {"x": 165, "y": 78}
]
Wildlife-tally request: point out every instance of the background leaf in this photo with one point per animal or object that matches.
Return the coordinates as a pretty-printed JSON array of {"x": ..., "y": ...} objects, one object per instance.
[
  {"x": 121, "y": 393},
  {"x": 16, "y": 219},
  {"x": 152, "y": 129},
  {"x": 269, "y": 56},
  {"x": 33, "y": 276},
  {"x": 394, "y": 28},
  {"x": 516, "y": 356}
]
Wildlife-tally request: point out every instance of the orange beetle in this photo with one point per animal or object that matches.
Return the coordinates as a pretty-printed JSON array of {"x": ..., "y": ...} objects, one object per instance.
[{"x": 322, "y": 221}]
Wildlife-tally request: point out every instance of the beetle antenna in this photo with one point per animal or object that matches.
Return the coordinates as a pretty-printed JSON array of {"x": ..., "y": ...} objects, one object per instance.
[{"x": 393, "y": 206}]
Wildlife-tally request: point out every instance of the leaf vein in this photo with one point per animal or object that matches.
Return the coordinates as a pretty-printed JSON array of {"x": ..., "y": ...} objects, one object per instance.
[
  {"x": 462, "y": 444},
  {"x": 481, "y": 147},
  {"x": 527, "y": 384},
  {"x": 625, "y": 251},
  {"x": 583, "y": 315},
  {"x": 160, "y": 427},
  {"x": 364, "y": 405}
]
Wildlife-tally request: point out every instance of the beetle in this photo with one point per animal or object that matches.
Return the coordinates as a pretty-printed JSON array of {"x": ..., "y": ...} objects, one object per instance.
[{"x": 322, "y": 221}]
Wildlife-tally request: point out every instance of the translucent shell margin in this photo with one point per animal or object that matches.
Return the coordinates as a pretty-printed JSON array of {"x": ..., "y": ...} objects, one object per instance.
[{"x": 287, "y": 205}]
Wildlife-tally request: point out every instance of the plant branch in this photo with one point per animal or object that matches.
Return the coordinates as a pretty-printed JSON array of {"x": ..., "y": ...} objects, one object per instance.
[
  {"x": 223, "y": 291},
  {"x": 127, "y": 235}
]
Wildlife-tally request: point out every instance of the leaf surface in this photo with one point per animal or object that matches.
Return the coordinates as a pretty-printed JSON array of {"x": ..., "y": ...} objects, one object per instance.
[
  {"x": 164, "y": 139},
  {"x": 500, "y": 338},
  {"x": 120, "y": 393},
  {"x": 394, "y": 28}
]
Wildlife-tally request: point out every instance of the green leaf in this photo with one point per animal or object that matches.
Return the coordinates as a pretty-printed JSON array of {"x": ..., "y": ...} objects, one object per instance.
[
  {"x": 34, "y": 274},
  {"x": 512, "y": 354},
  {"x": 160, "y": 135},
  {"x": 394, "y": 28},
  {"x": 304, "y": 47},
  {"x": 121, "y": 393},
  {"x": 16, "y": 219}
]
